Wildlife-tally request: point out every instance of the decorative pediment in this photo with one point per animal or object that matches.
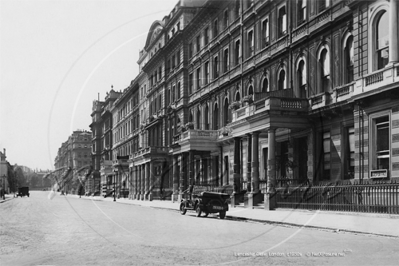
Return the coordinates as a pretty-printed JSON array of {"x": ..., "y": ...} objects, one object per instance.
[{"x": 155, "y": 30}]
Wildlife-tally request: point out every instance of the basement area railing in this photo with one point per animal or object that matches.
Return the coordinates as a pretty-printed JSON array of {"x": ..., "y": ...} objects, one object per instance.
[{"x": 376, "y": 197}]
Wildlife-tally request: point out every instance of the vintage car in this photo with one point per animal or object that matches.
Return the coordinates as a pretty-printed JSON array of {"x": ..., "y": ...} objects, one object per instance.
[
  {"x": 206, "y": 202},
  {"x": 23, "y": 191}
]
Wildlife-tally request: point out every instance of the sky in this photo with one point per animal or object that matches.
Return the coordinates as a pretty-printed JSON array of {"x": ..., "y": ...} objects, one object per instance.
[{"x": 56, "y": 58}]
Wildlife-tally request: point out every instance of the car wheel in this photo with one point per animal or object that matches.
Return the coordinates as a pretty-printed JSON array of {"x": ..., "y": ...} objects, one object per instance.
[
  {"x": 198, "y": 210},
  {"x": 222, "y": 214},
  {"x": 206, "y": 214},
  {"x": 182, "y": 209}
]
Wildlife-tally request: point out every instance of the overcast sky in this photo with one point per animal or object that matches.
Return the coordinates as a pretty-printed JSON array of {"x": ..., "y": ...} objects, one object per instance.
[{"x": 56, "y": 56}]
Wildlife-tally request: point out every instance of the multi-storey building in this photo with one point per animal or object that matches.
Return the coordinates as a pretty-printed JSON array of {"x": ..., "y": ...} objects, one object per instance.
[
  {"x": 246, "y": 94},
  {"x": 102, "y": 137},
  {"x": 75, "y": 154}
]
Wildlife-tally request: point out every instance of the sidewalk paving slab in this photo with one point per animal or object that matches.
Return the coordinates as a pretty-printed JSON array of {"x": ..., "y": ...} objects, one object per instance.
[{"x": 362, "y": 223}]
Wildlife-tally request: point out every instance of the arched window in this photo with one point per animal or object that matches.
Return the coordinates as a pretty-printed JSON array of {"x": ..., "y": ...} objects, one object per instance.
[
  {"x": 206, "y": 117},
  {"x": 199, "y": 118},
  {"x": 265, "y": 85},
  {"x": 190, "y": 118},
  {"x": 325, "y": 70},
  {"x": 238, "y": 97},
  {"x": 250, "y": 90},
  {"x": 216, "y": 117},
  {"x": 381, "y": 40},
  {"x": 349, "y": 59},
  {"x": 281, "y": 80},
  {"x": 226, "y": 112},
  {"x": 302, "y": 79}
]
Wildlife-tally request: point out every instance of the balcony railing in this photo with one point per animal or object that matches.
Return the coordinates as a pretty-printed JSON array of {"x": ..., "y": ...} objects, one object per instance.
[
  {"x": 374, "y": 78},
  {"x": 205, "y": 135}
]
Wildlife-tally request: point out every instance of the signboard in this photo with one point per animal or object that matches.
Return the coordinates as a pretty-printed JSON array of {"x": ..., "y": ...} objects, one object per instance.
[{"x": 381, "y": 173}]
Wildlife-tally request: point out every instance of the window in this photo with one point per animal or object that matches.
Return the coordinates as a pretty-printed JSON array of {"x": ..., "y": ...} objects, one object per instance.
[
  {"x": 325, "y": 70},
  {"x": 206, "y": 36},
  {"x": 323, "y": 4},
  {"x": 226, "y": 60},
  {"x": 206, "y": 73},
  {"x": 173, "y": 93},
  {"x": 281, "y": 80},
  {"x": 215, "y": 67},
  {"x": 380, "y": 146},
  {"x": 190, "y": 83},
  {"x": 237, "y": 10},
  {"x": 265, "y": 33},
  {"x": 350, "y": 153},
  {"x": 178, "y": 58},
  {"x": 199, "y": 118},
  {"x": 215, "y": 28},
  {"x": 173, "y": 61},
  {"x": 178, "y": 90},
  {"x": 265, "y": 85},
  {"x": 282, "y": 21},
  {"x": 250, "y": 43},
  {"x": 381, "y": 30},
  {"x": 206, "y": 117},
  {"x": 349, "y": 60},
  {"x": 198, "y": 78},
  {"x": 198, "y": 43},
  {"x": 301, "y": 5},
  {"x": 216, "y": 117},
  {"x": 190, "y": 49},
  {"x": 237, "y": 52},
  {"x": 226, "y": 112},
  {"x": 302, "y": 79},
  {"x": 326, "y": 156},
  {"x": 226, "y": 18}
]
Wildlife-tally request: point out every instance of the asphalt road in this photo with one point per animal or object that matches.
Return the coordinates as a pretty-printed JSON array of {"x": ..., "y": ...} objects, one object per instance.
[{"x": 73, "y": 231}]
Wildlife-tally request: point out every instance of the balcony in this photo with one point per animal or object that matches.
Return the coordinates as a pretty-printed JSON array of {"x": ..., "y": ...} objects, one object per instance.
[
  {"x": 377, "y": 80},
  {"x": 196, "y": 139},
  {"x": 320, "y": 100},
  {"x": 344, "y": 92},
  {"x": 149, "y": 151},
  {"x": 281, "y": 100}
]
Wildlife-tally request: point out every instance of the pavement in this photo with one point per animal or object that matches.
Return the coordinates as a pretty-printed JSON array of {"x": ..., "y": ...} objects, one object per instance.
[{"x": 361, "y": 223}]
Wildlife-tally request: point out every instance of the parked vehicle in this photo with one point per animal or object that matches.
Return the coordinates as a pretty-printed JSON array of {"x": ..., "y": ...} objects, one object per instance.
[
  {"x": 23, "y": 191},
  {"x": 206, "y": 202}
]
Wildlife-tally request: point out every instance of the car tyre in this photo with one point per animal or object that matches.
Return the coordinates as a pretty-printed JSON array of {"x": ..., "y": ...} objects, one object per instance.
[
  {"x": 182, "y": 209},
  {"x": 222, "y": 214},
  {"x": 198, "y": 210}
]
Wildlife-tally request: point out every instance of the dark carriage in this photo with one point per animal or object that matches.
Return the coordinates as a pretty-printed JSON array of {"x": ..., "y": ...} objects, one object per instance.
[
  {"x": 23, "y": 191},
  {"x": 206, "y": 202}
]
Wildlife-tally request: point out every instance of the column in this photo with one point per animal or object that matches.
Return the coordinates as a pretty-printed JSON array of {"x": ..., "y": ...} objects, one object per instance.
[
  {"x": 191, "y": 168},
  {"x": 393, "y": 32},
  {"x": 237, "y": 166},
  {"x": 134, "y": 180},
  {"x": 255, "y": 161},
  {"x": 271, "y": 171},
  {"x": 150, "y": 178},
  {"x": 249, "y": 160},
  {"x": 175, "y": 179},
  {"x": 142, "y": 194},
  {"x": 183, "y": 173}
]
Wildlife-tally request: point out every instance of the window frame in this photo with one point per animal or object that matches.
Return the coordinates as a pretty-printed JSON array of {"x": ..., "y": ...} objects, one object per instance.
[{"x": 373, "y": 136}]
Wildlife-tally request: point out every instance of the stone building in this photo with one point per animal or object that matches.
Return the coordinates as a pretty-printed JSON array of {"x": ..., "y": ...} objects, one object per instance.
[
  {"x": 246, "y": 94},
  {"x": 75, "y": 153}
]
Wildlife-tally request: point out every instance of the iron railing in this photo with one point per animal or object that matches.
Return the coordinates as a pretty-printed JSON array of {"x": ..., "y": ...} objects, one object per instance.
[{"x": 377, "y": 197}]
